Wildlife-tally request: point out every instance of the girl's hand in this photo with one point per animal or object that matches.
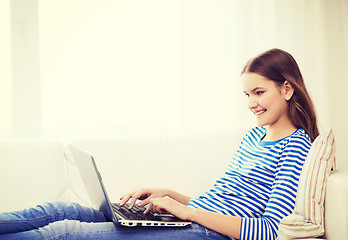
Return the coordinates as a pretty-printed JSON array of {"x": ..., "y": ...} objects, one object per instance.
[
  {"x": 144, "y": 194},
  {"x": 167, "y": 204}
]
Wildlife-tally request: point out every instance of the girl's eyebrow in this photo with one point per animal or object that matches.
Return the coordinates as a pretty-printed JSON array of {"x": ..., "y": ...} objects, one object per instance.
[{"x": 255, "y": 89}]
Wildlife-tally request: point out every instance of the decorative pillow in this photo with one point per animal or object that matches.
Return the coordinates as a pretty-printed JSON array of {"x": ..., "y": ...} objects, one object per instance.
[{"x": 307, "y": 219}]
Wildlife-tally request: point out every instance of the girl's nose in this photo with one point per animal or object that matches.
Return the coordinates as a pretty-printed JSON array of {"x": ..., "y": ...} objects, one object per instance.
[{"x": 252, "y": 103}]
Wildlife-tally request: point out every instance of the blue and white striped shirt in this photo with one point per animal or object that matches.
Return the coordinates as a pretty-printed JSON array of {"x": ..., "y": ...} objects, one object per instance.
[{"x": 260, "y": 183}]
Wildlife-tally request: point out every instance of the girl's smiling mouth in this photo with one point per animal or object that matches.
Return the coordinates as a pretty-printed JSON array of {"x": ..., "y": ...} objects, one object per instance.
[{"x": 259, "y": 112}]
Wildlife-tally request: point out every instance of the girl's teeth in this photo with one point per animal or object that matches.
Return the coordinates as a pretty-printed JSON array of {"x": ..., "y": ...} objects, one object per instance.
[{"x": 260, "y": 112}]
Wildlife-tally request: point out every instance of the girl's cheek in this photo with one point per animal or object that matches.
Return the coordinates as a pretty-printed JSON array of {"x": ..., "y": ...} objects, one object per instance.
[
  {"x": 261, "y": 102},
  {"x": 265, "y": 102}
]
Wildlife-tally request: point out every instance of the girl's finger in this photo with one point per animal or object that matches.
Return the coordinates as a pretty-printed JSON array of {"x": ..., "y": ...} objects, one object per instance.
[
  {"x": 125, "y": 199},
  {"x": 144, "y": 202},
  {"x": 133, "y": 200},
  {"x": 137, "y": 195},
  {"x": 148, "y": 208}
]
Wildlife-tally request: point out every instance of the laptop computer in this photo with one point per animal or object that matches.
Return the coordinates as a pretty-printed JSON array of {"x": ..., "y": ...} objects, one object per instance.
[{"x": 120, "y": 215}]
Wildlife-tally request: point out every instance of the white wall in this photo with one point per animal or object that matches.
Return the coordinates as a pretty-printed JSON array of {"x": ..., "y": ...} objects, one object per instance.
[
  {"x": 337, "y": 78},
  {"x": 113, "y": 69},
  {"x": 139, "y": 69},
  {"x": 136, "y": 68},
  {"x": 5, "y": 71},
  {"x": 25, "y": 81}
]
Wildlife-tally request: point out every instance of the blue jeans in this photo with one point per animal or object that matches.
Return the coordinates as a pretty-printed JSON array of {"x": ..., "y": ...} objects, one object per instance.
[{"x": 64, "y": 220}]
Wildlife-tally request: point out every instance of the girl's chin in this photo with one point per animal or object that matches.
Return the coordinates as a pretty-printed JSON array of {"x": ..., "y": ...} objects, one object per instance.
[{"x": 261, "y": 124}]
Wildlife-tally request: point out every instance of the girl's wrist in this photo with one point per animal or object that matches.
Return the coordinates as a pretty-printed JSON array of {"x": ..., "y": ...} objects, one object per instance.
[
  {"x": 192, "y": 214},
  {"x": 178, "y": 197},
  {"x": 169, "y": 193}
]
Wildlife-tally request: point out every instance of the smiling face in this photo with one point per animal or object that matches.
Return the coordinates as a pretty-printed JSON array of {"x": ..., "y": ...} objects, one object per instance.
[{"x": 267, "y": 100}]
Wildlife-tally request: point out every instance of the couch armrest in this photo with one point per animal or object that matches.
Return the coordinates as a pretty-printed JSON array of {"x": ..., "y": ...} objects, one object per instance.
[{"x": 336, "y": 206}]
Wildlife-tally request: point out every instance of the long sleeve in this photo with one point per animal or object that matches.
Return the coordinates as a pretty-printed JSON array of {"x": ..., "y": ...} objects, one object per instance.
[{"x": 283, "y": 194}]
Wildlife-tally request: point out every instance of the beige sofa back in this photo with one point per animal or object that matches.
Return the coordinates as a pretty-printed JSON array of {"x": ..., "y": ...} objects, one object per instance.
[
  {"x": 31, "y": 172},
  {"x": 187, "y": 164}
]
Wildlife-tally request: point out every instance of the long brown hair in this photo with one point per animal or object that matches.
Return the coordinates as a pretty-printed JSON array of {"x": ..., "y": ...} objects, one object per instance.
[{"x": 279, "y": 66}]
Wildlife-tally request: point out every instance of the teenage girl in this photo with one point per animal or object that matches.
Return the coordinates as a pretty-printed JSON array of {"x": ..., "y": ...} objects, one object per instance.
[{"x": 257, "y": 190}]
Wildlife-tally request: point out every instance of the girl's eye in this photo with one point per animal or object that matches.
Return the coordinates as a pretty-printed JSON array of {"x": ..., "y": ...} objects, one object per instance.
[
  {"x": 247, "y": 94},
  {"x": 259, "y": 92}
]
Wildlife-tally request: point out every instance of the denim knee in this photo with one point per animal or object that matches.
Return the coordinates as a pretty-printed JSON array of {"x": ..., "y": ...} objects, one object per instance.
[
  {"x": 74, "y": 229},
  {"x": 57, "y": 230},
  {"x": 74, "y": 211}
]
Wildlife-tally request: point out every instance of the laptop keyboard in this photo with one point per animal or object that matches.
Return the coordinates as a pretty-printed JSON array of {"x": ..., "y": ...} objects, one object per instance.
[{"x": 136, "y": 213}]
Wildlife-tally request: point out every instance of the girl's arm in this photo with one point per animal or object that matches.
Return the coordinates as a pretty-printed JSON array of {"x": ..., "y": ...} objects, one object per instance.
[
  {"x": 146, "y": 194},
  {"x": 164, "y": 200},
  {"x": 280, "y": 203},
  {"x": 181, "y": 198},
  {"x": 224, "y": 224}
]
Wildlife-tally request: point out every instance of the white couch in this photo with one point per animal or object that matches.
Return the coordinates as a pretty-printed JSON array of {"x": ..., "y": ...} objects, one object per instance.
[{"x": 35, "y": 171}]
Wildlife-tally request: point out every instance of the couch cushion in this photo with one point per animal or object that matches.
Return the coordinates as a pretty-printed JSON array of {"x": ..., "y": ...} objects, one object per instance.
[
  {"x": 307, "y": 219},
  {"x": 336, "y": 207}
]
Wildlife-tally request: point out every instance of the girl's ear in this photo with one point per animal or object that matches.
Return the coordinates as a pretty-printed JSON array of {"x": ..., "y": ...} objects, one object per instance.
[{"x": 288, "y": 90}]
